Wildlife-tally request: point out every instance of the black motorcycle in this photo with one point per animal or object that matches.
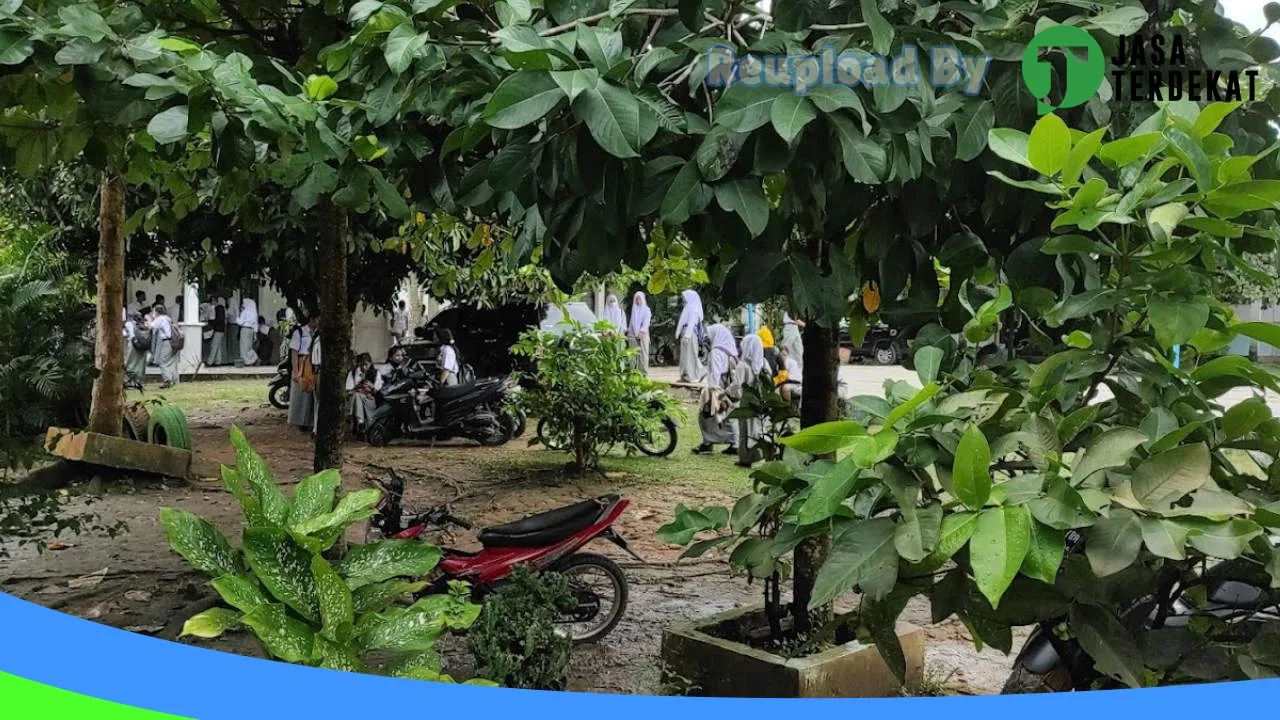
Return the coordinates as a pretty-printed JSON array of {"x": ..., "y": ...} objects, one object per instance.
[
  {"x": 412, "y": 405},
  {"x": 278, "y": 386}
]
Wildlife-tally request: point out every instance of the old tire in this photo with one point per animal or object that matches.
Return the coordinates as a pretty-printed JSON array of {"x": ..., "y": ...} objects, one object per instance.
[
  {"x": 168, "y": 426},
  {"x": 278, "y": 396},
  {"x": 136, "y": 422},
  {"x": 1022, "y": 681}
]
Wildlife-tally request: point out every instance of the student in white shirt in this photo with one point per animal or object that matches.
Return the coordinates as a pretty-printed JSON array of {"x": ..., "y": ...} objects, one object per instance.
[
  {"x": 791, "y": 388},
  {"x": 135, "y": 360},
  {"x": 302, "y": 377},
  {"x": 448, "y": 360},
  {"x": 363, "y": 383},
  {"x": 399, "y": 323},
  {"x": 641, "y": 316},
  {"x": 248, "y": 322},
  {"x": 162, "y": 349}
]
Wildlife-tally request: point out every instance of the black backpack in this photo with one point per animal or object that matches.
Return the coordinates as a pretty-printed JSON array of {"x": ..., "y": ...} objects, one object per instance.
[{"x": 142, "y": 339}]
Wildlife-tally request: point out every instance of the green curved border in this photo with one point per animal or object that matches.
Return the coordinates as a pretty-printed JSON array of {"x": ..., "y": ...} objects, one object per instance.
[{"x": 24, "y": 699}]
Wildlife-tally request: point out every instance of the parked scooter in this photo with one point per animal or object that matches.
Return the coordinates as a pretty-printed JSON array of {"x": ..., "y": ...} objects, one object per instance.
[
  {"x": 278, "y": 386},
  {"x": 551, "y": 541},
  {"x": 412, "y": 405}
]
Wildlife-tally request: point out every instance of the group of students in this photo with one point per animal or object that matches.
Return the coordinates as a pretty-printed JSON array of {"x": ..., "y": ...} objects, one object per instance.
[
  {"x": 636, "y": 328},
  {"x": 255, "y": 341},
  {"x": 150, "y": 337}
]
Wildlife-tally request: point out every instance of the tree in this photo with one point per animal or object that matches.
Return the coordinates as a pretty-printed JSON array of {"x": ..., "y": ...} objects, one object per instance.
[{"x": 603, "y": 126}]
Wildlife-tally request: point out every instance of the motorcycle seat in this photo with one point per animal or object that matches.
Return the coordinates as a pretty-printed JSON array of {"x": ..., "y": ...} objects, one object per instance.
[
  {"x": 548, "y": 527},
  {"x": 446, "y": 393}
]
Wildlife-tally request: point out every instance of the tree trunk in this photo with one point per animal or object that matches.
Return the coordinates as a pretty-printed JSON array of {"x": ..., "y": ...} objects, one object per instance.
[
  {"x": 335, "y": 337},
  {"x": 820, "y": 403},
  {"x": 107, "y": 410}
]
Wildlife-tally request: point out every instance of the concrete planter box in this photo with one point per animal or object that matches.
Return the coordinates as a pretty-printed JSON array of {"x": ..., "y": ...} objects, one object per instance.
[{"x": 707, "y": 665}]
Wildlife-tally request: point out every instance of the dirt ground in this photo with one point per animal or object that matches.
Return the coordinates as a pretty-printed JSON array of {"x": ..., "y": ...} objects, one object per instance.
[{"x": 136, "y": 583}]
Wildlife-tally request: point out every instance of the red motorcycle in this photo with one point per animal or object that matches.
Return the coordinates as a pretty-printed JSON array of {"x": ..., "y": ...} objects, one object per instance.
[{"x": 548, "y": 541}]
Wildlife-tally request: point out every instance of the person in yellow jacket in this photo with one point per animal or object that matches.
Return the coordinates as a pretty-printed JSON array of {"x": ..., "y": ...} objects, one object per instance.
[{"x": 770, "y": 351}]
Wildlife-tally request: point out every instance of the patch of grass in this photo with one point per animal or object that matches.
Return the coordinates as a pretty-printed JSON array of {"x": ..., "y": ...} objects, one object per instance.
[
  {"x": 933, "y": 685},
  {"x": 207, "y": 395}
]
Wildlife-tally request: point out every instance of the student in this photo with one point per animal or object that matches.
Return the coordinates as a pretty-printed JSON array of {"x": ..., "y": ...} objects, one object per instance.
[
  {"x": 791, "y": 339},
  {"x": 218, "y": 341},
  {"x": 363, "y": 383},
  {"x": 399, "y": 323},
  {"x": 137, "y": 331},
  {"x": 315, "y": 397},
  {"x": 447, "y": 362},
  {"x": 613, "y": 314},
  {"x": 751, "y": 363},
  {"x": 791, "y": 380},
  {"x": 641, "y": 317},
  {"x": 159, "y": 302},
  {"x": 302, "y": 379},
  {"x": 771, "y": 357},
  {"x": 264, "y": 345},
  {"x": 713, "y": 415},
  {"x": 139, "y": 304},
  {"x": 248, "y": 323},
  {"x": 162, "y": 347},
  {"x": 395, "y": 363},
  {"x": 689, "y": 336}
]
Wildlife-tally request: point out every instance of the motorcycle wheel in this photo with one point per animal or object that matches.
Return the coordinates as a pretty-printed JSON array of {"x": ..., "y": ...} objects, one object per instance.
[
  {"x": 547, "y": 442},
  {"x": 279, "y": 396},
  {"x": 498, "y": 433},
  {"x": 595, "y": 580},
  {"x": 515, "y": 422},
  {"x": 659, "y": 443},
  {"x": 1022, "y": 681},
  {"x": 378, "y": 434}
]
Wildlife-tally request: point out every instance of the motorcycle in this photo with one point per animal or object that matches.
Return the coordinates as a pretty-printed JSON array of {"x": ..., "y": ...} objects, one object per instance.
[
  {"x": 549, "y": 542},
  {"x": 413, "y": 406},
  {"x": 657, "y": 441},
  {"x": 278, "y": 386},
  {"x": 1049, "y": 663}
]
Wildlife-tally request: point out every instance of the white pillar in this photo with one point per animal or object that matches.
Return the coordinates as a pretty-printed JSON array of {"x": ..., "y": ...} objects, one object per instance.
[
  {"x": 192, "y": 329},
  {"x": 599, "y": 308}
]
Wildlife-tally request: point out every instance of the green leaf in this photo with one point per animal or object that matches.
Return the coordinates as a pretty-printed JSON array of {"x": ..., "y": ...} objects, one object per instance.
[
  {"x": 1225, "y": 540},
  {"x": 15, "y": 48},
  {"x": 1124, "y": 151},
  {"x": 862, "y": 555},
  {"x": 691, "y": 13},
  {"x": 401, "y": 630},
  {"x": 337, "y": 611},
  {"x": 972, "y": 473},
  {"x": 831, "y": 98},
  {"x": 1049, "y": 145},
  {"x": 320, "y": 87},
  {"x": 828, "y": 492},
  {"x": 523, "y": 98},
  {"x": 1122, "y": 21},
  {"x": 169, "y": 126},
  {"x": 1268, "y": 333},
  {"x": 351, "y": 508},
  {"x": 378, "y": 596},
  {"x": 881, "y": 30},
  {"x": 870, "y": 450},
  {"x": 1112, "y": 448},
  {"x": 956, "y": 530},
  {"x": 612, "y": 115},
  {"x": 917, "y": 535},
  {"x": 313, "y": 497},
  {"x": 404, "y": 44},
  {"x": 825, "y": 438},
  {"x": 284, "y": 568},
  {"x": 1012, "y": 145},
  {"x": 1108, "y": 642},
  {"x": 1061, "y": 507},
  {"x": 928, "y": 360},
  {"x": 573, "y": 82},
  {"x": 84, "y": 20},
  {"x": 211, "y": 623},
  {"x": 1242, "y": 197},
  {"x": 284, "y": 637},
  {"x": 864, "y": 158},
  {"x": 1164, "y": 538},
  {"x": 239, "y": 592},
  {"x": 80, "y": 52},
  {"x": 1081, "y": 153},
  {"x": 1211, "y": 116},
  {"x": 1192, "y": 155},
  {"x": 251, "y": 469},
  {"x": 972, "y": 129},
  {"x": 997, "y": 549},
  {"x": 1044, "y": 555},
  {"x": 1113, "y": 542},
  {"x": 686, "y": 196},
  {"x": 743, "y": 108},
  {"x": 790, "y": 113},
  {"x": 1161, "y": 480},
  {"x": 376, "y": 562},
  {"x": 1245, "y": 417},
  {"x": 900, "y": 412},
  {"x": 1176, "y": 321},
  {"x": 745, "y": 196},
  {"x": 199, "y": 543}
]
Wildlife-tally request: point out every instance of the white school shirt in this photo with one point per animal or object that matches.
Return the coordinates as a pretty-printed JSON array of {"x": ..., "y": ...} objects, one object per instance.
[
  {"x": 315, "y": 352},
  {"x": 300, "y": 340},
  {"x": 794, "y": 373},
  {"x": 163, "y": 327},
  {"x": 130, "y": 328},
  {"x": 377, "y": 380},
  {"x": 449, "y": 359},
  {"x": 400, "y": 322}
]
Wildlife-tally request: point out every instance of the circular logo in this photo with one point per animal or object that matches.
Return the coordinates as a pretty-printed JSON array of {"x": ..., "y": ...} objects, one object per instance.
[{"x": 1082, "y": 77}]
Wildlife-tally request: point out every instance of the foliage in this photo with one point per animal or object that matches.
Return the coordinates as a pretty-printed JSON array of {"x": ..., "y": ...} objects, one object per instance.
[
  {"x": 966, "y": 489},
  {"x": 515, "y": 642},
  {"x": 306, "y": 597},
  {"x": 588, "y": 392}
]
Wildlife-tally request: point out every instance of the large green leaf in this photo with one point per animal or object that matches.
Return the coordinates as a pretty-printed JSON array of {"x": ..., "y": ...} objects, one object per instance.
[
  {"x": 864, "y": 158},
  {"x": 1113, "y": 448},
  {"x": 1243, "y": 418},
  {"x": 1049, "y": 145},
  {"x": 169, "y": 126},
  {"x": 378, "y": 596},
  {"x": 1177, "y": 320},
  {"x": 790, "y": 113},
  {"x": 612, "y": 115},
  {"x": 1189, "y": 150},
  {"x": 573, "y": 82},
  {"x": 1010, "y": 144},
  {"x": 376, "y": 562},
  {"x": 918, "y": 534},
  {"x": 863, "y": 555},
  {"x": 825, "y": 438},
  {"x": 1130, "y": 149},
  {"x": 1044, "y": 555},
  {"x": 745, "y": 196},
  {"x": 337, "y": 611},
  {"x": 251, "y": 469},
  {"x": 972, "y": 129},
  {"x": 351, "y": 508},
  {"x": 15, "y": 48},
  {"x": 200, "y": 543},
  {"x": 956, "y": 530},
  {"x": 314, "y": 496},
  {"x": 1163, "y": 479},
  {"x": 881, "y": 29},
  {"x": 1061, "y": 507},
  {"x": 211, "y": 623},
  {"x": 1108, "y": 642},
  {"x": 997, "y": 549},
  {"x": 1164, "y": 538},
  {"x": 1225, "y": 540},
  {"x": 284, "y": 637},
  {"x": 928, "y": 360},
  {"x": 524, "y": 97},
  {"x": 240, "y": 592},
  {"x": 972, "y": 473},
  {"x": 284, "y": 568},
  {"x": 1113, "y": 542},
  {"x": 404, "y": 44},
  {"x": 828, "y": 493},
  {"x": 400, "y": 630},
  {"x": 686, "y": 196},
  {"x": 743, "y": 108}
]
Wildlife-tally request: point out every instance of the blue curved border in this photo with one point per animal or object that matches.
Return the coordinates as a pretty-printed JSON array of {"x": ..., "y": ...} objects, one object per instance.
[{"x": 100, "y": 661}]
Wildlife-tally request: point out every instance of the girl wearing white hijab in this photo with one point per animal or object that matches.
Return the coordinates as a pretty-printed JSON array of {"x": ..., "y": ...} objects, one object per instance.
[
  {"x": 248, "y": 322},
  {"x": 689, "y": 335},
  {"x": 613, "y": 314},
  {"x": 641, "y": 316},
  {"x": 791, "y": 339},
  {"x": 750, "y": 364},
  {"x": 713, "y": 418}
]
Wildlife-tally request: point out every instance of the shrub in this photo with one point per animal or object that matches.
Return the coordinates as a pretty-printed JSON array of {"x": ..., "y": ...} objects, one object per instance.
[
  {"x": 979, "y": 488},
  {"x": 306, "y": 600},
  {"x": 515, "y": 642},
  {"x": 587, "y": 393}
]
